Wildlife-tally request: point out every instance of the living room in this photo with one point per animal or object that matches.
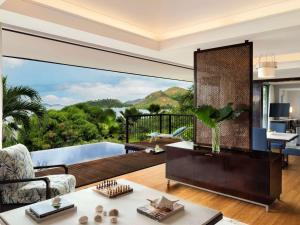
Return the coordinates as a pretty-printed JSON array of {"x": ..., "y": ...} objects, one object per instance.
[{"x": 219, "y": 148}]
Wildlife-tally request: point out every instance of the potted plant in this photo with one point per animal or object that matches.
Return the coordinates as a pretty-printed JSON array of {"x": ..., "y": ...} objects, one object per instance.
[{"x": 212, "y": 118}]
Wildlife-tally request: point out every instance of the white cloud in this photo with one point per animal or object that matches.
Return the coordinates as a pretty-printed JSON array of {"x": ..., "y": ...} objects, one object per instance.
[
  {"x": 127, "y": 89},
  {"x": 53, "y": 100},
  {"x": 12, "y": 62},
  {"x": 124, "y": 90}
]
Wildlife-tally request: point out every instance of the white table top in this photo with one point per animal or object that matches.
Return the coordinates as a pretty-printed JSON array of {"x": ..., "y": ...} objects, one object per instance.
[
  {"x": 281, "y": 136},
  {"x": 86, "y": 201}
]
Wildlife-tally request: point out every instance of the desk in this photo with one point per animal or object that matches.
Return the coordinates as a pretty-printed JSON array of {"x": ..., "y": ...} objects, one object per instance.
[
  {"x": 86, "y": 201},
  {"x": 285, "y": 137}
]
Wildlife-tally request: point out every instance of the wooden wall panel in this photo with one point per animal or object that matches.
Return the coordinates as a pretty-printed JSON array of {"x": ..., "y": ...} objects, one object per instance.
[{"x": 224, "y": 75}]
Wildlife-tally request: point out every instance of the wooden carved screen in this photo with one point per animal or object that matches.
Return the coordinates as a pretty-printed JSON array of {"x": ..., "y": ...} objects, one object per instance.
[{"x": 224, "y": 75}]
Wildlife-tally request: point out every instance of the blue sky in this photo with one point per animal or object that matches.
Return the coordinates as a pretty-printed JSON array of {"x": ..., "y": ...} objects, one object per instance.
[{"x": 59, "y": 84}]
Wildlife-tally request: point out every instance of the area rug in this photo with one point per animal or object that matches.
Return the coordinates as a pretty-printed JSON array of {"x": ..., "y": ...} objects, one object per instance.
[{"x": 101, "y": 169}]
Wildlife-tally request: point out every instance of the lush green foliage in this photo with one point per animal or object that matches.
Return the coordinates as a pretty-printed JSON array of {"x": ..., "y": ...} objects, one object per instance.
[
  {"x": 211, "y": 116},
  {"x": 185, "y": 102},
  {"x": 108, "y": 103},
  {"x": 19, "y": 103},
  {"x": 26, "y": 120},
  {"x": 154, "y": 108},
  {"x": 78, "y": 124}
]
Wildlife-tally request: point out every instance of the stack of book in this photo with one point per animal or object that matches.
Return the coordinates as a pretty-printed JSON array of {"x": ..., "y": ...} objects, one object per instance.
[{"x": 44, "y": 210}]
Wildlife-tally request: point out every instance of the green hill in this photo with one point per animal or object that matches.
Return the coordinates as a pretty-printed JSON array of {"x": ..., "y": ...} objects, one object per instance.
[
  {"x": 107, "y": 103},
  {"x": 175, "y": 92},
  {"x": 165, "y": 99}
]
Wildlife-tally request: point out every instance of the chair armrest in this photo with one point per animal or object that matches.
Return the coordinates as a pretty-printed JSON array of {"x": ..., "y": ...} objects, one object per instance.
[
  {"x": 52, "y": 166},
  {"x": 45, "y": 179}
]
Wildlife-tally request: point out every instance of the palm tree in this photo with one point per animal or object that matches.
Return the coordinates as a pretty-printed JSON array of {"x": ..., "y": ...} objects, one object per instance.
[{"x": 19, "y": 103}]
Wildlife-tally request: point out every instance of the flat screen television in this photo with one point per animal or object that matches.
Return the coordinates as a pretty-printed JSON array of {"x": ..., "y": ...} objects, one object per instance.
[{"x": 279, "y": 110}]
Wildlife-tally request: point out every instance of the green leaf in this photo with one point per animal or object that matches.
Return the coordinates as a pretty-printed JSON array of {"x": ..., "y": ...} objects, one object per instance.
[
  {"x": 206, "y": 114},
  {"x": 211, "y": 116},
  {"x": 225, "y": 112}
]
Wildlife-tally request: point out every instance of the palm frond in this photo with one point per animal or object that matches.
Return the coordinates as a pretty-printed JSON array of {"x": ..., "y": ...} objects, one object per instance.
[
  {"x": 21, "y": 118},
  {"x": 19, "y": 104},
  {"x": 23, "y": 106}
]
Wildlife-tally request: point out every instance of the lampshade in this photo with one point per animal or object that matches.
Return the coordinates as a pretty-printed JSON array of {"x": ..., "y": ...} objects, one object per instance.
[{"x": 266, "y": 68}]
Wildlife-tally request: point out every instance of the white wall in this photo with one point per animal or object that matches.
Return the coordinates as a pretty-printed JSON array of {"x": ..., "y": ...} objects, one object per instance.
[{"x": 293, "y": 97}]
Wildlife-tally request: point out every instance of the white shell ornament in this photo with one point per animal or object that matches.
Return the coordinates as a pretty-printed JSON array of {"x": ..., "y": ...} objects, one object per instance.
[
  {"x": 83, "y": 220},
  {"x": 114, "y": 220},
  {"x": 162, "y": 203},
  {"x": 98, "y": 218},
  {"x": 56, "y": 201},
  {"x": 99, "y": 208},
  {"x": 113, "y": 212}
]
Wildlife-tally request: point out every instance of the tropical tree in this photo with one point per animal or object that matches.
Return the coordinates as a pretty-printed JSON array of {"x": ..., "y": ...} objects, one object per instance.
[
  {"x": 130, "y": 112},
  {"x": 19, "y": 103},
  {"x": 186, "y": 102},
  {"x": 154, "y": 108}
]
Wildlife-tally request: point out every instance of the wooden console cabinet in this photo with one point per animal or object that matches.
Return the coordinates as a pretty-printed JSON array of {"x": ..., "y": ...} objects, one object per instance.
[{"x": 252, "y": 176}]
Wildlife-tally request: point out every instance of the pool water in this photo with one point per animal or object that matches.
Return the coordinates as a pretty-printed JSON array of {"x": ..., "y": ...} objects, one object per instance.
[{"x": 76, "y": 154}]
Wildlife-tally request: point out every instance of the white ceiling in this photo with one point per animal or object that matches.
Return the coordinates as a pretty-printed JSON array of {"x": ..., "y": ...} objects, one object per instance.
[
  {"x": 163, "y": 16},
  {"x": 168, "y": 30}
]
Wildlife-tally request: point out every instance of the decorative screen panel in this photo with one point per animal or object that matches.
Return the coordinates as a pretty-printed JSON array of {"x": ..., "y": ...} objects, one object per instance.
[{"x": 224, "y": 75}]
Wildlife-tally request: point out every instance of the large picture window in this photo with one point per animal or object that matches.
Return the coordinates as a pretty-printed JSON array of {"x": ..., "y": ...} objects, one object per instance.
[{"x": 58, "y": 105}]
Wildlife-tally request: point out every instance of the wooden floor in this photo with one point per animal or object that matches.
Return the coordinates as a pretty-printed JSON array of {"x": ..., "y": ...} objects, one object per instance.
[
  {"x": 101, "y": 169},
  {"x": 286, "y": 211}
]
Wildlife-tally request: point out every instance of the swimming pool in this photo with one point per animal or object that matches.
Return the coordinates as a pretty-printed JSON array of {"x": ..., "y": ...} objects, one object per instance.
[{"x": 77, "y": 154}]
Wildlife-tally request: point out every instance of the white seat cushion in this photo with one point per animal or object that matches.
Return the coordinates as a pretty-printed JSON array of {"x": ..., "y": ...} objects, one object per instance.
[{"x": 36, "y": 190}]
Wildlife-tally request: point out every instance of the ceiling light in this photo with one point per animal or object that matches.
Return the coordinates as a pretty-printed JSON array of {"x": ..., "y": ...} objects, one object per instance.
[{"x": 266, "y": 67}]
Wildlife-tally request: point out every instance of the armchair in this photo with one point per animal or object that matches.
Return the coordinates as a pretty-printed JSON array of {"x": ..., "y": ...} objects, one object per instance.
[{"x": 18, "y": 184}]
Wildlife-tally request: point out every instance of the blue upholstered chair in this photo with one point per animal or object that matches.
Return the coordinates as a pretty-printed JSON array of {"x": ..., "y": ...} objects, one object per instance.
[
  {"x": 259, "y": 139},
  {"x": 295, "y": 151},
  {"x": 278, "y": 127}
]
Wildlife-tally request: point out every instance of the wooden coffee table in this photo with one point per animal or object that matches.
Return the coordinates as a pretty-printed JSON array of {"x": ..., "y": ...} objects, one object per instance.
[{"x": 86, "y": 200}]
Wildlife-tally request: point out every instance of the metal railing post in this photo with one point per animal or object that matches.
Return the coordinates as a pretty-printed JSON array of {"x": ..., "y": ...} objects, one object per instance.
[
  {"x": 170, "y": 121},
  {"x": 127, "y": 129},
  {"x": 160, "y": 123}
]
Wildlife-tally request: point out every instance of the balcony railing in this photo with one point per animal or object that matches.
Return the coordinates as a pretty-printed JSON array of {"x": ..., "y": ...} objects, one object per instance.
[{"x": 139, "y": 126}]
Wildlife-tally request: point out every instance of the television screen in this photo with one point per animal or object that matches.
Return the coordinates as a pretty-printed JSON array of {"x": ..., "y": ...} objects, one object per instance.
[{"x": 279, "y": 109}]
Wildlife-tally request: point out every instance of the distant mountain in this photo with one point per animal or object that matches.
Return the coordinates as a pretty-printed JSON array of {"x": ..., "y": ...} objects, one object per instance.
[
  {"x": 108, "y": 103},
  {"x": 175, "y": 92},
  {"x": 133, "y": 102},
  {"x": 53, "y": 106},
  {"x": 167, "y": 98}
]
